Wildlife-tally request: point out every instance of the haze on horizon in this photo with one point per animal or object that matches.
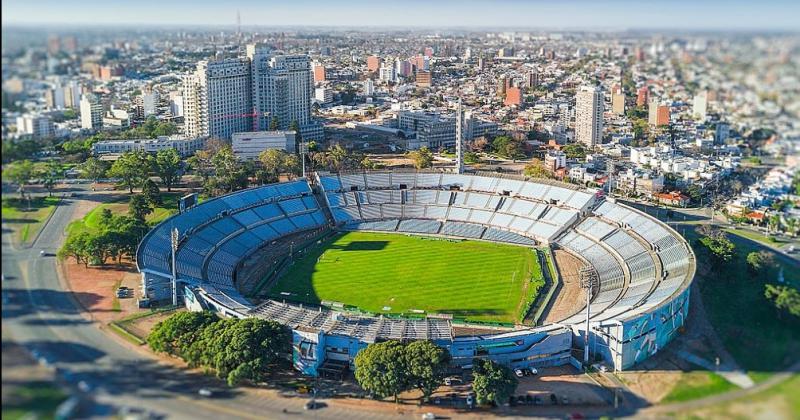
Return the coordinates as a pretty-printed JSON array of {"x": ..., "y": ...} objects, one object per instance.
[{"x": 567, "y": 14}]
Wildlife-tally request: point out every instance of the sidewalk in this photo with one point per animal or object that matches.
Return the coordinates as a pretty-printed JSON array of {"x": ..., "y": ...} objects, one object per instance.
[{"x": 731, "y": 373}]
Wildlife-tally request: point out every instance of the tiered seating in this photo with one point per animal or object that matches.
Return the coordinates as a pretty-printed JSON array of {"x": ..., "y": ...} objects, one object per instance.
[
  {"x": 498, "y": 235},
  {"x": 380, "y": 225},
  {"x": 464, "y": 230},
  {"x": 608, "y": 269},
  {"x": 419, "y": 226}
]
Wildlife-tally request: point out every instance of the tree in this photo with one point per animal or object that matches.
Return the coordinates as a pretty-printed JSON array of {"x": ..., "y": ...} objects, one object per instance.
[
  {"x": 719, "y": 246},
  {"x": 131, "y": 168},
  {"x": 760, "y": 262},
  {"x": 536, "y": 169},
  {"x": 426, "y": 364},
  {"x": 380, "y": 369},
  {"x": 574, "y": 151},
  {"x": 422, "y": 158},
  {"x": 274, "y": 124},
  {"x": 337, "y": 157},
  {"x": 76, "y": 246},
  {"x": 272, "y": 161},
  {"x": 139, "y": 207},
  {"x": 367, "y": 163},
  {"x": 785, "y": 298},
  {"x": 93, "y": 169},
  {"x": 19, "y": 173},
  {"x": 177, "y": 333},
  {"x": 231, "y": 174},
  {"x": 151, "y": 193},
  {"x": 240, "y": 349},
  {"x": 492, "y": 382},
  {"x": 167, "y": 165},
  {"x": 50, "y": 174}
]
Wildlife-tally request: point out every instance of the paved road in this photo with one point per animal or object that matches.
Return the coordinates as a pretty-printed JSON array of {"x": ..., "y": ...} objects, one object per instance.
[{"x": 40, "y": 315}]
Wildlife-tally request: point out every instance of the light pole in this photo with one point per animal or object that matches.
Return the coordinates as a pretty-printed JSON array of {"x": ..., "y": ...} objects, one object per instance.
[
  {"x": 174, "y": 248},
  {"x": 588, "y": 280}
]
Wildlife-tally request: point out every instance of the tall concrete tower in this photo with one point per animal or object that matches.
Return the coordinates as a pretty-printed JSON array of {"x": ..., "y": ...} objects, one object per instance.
[{"x": 459, "y": 138}]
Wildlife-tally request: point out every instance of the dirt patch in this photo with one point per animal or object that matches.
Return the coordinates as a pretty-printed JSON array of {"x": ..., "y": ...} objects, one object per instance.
[
  {"x": 95, "y": 287},
  {"x": 141, "y": 327},
  {"x": 569, "y": 299}
]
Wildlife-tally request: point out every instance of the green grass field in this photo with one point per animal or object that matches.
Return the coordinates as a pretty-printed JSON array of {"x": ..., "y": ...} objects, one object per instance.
[
  {"x": 476, "y": 280},
  {"x": 698, "y": 384},
  {"x": 91, "y": 222},
  {"x": 26, "y": 222}
]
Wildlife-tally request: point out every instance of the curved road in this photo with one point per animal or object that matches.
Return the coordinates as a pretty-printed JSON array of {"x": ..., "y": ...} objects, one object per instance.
[{"x": 40, "y": 315}]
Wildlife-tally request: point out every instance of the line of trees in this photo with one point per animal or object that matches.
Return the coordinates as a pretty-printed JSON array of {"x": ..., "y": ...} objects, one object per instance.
[
  {"x": 117, "y": 236},
  {"x": 236, "y": 350},
  {"x": 389, "y": 368}
]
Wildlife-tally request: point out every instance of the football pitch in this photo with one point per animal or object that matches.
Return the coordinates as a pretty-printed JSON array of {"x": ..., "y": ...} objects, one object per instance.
[{"x": 396, "y": 273}]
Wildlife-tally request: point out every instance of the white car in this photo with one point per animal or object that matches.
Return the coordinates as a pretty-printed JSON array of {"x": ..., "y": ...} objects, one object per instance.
[
  {"x": 519, "y": 373},
  {"x": 534, "y": 371},
  {"x": 428, "y": 416},
  {"x": 205, "y": 392}
]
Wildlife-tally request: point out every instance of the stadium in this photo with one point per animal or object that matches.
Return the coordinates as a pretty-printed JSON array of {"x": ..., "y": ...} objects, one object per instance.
[{"x": 485, "y": 265}]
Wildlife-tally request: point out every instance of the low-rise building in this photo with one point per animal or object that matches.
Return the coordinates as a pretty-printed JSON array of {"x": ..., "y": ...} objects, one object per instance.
[
  {"x": 184, "y": 146},
  {"x": 248, "y": 145}
]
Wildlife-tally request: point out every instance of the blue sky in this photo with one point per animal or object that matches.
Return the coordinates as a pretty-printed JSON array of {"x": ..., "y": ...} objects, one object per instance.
[{"x": 568, "y": 14}]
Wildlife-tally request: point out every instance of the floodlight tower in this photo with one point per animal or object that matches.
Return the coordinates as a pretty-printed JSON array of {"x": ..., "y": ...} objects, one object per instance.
[
  {"x": 459, "y": 138},
  {"x": 588, "y": 281},
  {"x": 174, "y": 240}
]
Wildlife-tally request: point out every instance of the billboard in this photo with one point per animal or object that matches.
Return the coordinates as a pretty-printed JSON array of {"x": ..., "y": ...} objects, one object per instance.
[{"x": 186, "y": 202}]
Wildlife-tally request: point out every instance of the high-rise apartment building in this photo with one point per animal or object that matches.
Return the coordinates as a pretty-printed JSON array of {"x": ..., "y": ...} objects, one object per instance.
[
  {"x": 657, "y": 114},
  {"x": 699, "y": 105},
  {"x": 373, "y": 63},
  {"x": 217, "y": 99},
  {"x": 424, "y": 78},
  {"x": 513, "y": 97},
  {"x": 618, "y": 102},
  {"x": 91, "y": 112},
  {"x": 589, "y": 116},
  {"x": 319, "y": 73},
  {"x": 532, "y": 79},
  {"x": 642, "y": 96},
  {"x": 229, "y": 96}
]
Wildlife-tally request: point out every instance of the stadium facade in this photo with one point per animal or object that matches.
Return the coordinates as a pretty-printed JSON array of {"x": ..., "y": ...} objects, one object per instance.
[{"x": 639, "y": 301}]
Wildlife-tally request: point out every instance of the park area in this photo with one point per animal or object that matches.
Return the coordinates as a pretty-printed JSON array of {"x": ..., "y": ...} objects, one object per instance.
[
  {"x": 26, "y": 217},
  {"x": 413, "y": 275}
]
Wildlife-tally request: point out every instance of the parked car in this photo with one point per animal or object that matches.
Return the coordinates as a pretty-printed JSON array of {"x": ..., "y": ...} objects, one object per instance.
[
  {"x": 518, "y": 372},
  {"x": 534, "y": 371},
  {"x": 205, "y": 392},
  {"x": 470, "y": 401},
  {"x": 429, "y": 416},
  {"x": 564, "y": 400},
  {"x": 553, "y": 399},
  {"x": 537, "y": 400},
  {"x": 520, "y": 400},
  {"x": 529, "y": 399}
]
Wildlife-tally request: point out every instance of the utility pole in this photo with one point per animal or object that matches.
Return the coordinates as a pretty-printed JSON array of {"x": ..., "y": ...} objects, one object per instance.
[
  {"x": 459, "y": 138},
  {"x": 174, "y": 236},
  {"x": 588, "y": 280}
]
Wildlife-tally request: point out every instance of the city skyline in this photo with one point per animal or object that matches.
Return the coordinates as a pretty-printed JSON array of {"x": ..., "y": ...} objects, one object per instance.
[{"x": 716, "y": 15}]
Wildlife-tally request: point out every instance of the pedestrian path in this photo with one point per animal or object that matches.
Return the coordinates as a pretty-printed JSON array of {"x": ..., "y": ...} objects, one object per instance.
[{"x": 731, "y": 374}]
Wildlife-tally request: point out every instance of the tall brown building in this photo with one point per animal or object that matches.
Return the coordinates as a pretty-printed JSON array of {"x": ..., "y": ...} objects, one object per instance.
[
  {"x": 319, "y": 73},
  {"x": 513, "y": 96},
  {"x": 642, "y": 96},
  {"x": 424, "y": 78},
  {"x": 373, "y": 63}
]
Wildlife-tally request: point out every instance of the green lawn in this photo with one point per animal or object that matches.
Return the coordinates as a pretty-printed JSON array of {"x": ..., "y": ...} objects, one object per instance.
[
  {"x": 755, "y": 236},
  {"x": 24, "y": 222},
  {"x": 698, "y": 384},
  {"x": 746, "y": 322},
  {"x": 91, "y": 222},
  {"x": 476, "y": 280},
  {"x": 32, "y": 400}
]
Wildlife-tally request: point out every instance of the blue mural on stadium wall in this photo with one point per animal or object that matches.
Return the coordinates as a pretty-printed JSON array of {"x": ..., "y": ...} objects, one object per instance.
[{"x": 645, "y": 335}]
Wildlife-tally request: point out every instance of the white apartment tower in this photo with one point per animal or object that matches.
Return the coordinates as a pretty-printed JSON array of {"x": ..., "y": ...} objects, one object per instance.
[
  {"x": 217, "y": 100},
  {"x": 589, "y": 116},
  {"x": 223, "y": 97},
  {"x": 91, "y": 112},
  {"x": 700, "y": 104}
]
